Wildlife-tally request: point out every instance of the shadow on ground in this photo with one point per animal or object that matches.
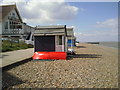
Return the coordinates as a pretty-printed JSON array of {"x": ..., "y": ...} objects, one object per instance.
[
  {"x": 34, "y": 60},
  {"x": 9, "y": 80},
  {"x": 84, "y": 56},
  {"x": 81, "y": 47},
  {"x": 2, "y": 56}
]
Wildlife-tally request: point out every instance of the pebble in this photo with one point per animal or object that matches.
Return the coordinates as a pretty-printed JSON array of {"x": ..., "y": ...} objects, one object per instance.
[{"x": 76, "y": 73}]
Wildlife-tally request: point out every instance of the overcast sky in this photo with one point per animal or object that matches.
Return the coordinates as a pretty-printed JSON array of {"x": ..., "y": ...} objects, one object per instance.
[{"x": 92, "y": 21}]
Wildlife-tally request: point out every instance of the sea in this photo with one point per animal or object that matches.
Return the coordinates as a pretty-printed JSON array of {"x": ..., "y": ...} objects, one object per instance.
[{"x": 110, "y": 44}]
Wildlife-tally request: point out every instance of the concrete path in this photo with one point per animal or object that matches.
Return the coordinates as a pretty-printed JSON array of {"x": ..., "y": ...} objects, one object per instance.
[{"x": 15, "y": 56}]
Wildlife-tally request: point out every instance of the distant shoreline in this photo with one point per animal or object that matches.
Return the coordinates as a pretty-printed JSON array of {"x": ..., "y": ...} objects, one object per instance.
[
  {"x": 111, "y": 44},
  {"x": 109, "y": 47}
]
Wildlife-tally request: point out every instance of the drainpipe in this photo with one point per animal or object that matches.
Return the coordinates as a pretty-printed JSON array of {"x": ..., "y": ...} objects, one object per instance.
[{"x": 65, "y": 40}]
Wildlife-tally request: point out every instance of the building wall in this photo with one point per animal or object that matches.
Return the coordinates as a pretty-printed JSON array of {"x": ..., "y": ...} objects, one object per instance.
[
  {"x": 26, "y": 29},
  {"x": 13, "y": 14}
]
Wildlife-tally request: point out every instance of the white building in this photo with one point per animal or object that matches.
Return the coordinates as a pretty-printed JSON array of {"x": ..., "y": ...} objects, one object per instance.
[
  {"x": 28, "y": 33},
  {"x": 11, "y": 23}
]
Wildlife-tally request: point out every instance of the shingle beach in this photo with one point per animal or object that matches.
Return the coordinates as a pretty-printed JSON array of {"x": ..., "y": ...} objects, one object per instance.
[{"x": 93, "y": 66}]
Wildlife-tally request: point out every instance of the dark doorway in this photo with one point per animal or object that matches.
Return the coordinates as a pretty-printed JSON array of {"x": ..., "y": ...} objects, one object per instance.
[{"x": 44, "y": 43}]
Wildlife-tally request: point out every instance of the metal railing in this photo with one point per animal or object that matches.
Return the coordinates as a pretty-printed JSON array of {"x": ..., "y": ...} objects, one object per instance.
[{"x": 12, "y": 32}]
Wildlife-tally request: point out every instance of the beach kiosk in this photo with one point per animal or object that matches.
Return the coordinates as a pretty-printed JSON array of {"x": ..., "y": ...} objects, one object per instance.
[
  {"x": 50, "y": 42},
  {"x": 70, "y": 40}
]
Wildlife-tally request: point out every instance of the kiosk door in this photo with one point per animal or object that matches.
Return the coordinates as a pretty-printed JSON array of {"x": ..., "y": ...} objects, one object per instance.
[{"x": 44, "y": 43}]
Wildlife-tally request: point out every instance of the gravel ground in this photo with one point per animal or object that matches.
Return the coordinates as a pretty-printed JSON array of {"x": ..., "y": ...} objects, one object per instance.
[{"x": 93, "y": 66}]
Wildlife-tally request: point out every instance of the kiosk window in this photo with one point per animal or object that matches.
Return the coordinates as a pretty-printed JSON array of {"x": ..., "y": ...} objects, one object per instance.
[{"x": 60, "y": 40}]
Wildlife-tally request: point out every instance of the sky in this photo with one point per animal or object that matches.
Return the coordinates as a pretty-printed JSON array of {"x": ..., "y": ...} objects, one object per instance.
[{"x": 92, "y": 21}]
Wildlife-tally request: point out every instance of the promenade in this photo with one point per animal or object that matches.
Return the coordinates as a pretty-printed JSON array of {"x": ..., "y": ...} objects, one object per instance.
[{"x": 15, "y": 56}]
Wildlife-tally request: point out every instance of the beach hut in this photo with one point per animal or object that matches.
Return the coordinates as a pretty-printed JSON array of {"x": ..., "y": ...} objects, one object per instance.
[
  {"x": 70, "y": 36},
  {"x": 70, "y": 39},
  {"x": 50, "y": 42}
]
